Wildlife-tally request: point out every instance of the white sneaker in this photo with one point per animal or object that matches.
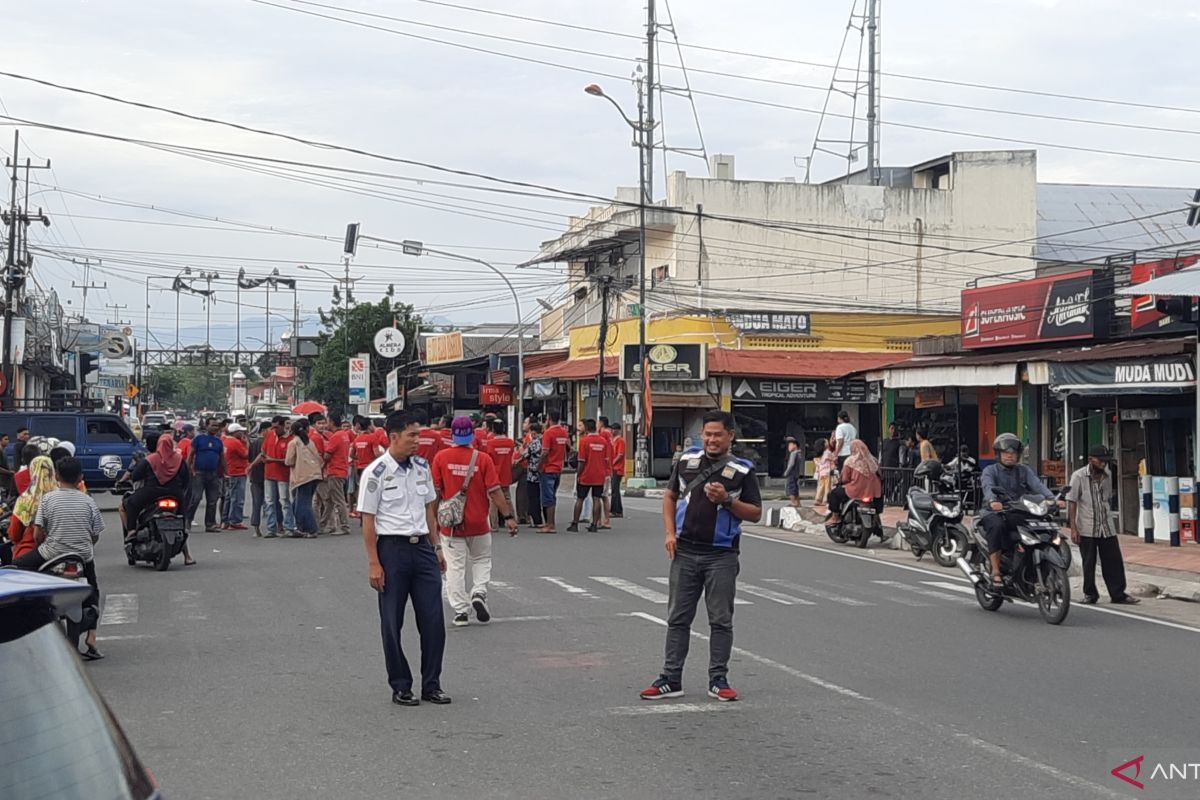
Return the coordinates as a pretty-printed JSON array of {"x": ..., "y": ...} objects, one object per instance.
[{"x": 461, "y": 620}]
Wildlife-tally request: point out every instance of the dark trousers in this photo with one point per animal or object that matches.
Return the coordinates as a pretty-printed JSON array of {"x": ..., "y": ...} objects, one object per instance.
[
  {"x": 206, "y": 485},
  {"x": 1112, "y": 565},
  {"x": 411, "y": 570},
  {"x": 256, "y": 503},
  {"x": 616, "y": 506},
  {"x": 522, "y": 496},
  {"x": 533, "y": 500},
  {"x": 714, "y": 574}
]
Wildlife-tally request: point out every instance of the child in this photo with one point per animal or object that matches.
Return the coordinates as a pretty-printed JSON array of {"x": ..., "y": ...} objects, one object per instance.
[{"x": 826, "y": 465}]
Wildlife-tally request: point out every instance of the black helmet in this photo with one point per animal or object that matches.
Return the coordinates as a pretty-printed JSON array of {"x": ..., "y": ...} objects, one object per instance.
[{"x": 1008, "y": 443}]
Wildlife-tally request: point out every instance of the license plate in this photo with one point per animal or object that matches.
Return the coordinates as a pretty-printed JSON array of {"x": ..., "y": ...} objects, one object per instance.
[{"x": 867, "y": 512}]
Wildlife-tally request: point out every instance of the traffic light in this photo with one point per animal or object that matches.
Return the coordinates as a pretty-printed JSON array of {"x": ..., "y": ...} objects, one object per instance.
[
  {"x": 1180, "y": 309},
  {"x": 88, "y": 363}
]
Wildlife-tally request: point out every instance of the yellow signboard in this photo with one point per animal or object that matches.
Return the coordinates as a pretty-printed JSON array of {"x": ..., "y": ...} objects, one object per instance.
[
  {"x": 131, "y": 390},
  {"x": 444, "y": 349}
]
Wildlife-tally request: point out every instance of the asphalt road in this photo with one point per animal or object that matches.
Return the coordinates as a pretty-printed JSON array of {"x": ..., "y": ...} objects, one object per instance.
[{"x": 258, "y": 673}]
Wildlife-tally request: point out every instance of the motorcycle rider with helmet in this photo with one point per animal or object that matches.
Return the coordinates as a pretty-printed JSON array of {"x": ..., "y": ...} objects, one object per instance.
[{"x": 1007, "y": 479}]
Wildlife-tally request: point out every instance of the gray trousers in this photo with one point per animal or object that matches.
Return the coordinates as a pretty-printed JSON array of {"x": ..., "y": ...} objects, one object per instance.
[{"x": 714, "y": 574}]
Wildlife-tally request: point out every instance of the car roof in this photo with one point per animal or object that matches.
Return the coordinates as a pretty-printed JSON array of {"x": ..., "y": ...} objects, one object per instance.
[{"x": 16, "y": 585}]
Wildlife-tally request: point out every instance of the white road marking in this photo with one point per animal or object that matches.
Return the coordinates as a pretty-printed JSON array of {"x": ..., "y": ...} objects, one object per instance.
[
  {"x": 577, "y": 590},
  {"x": 923, "y": 592},
  {"x": 773, "y": 596},
  {"x": 632, "y": 588},
  {"x": 186, "y": 604},
  {"x": 891, "y": 597},
  {"x": 542, "y": 618},
  {"x": 737, "y": 601},
  {"x": 127, "y": 637},
  {"x": 821, "y": 593},
  {"x": 943, "y": 731},
  {"x": 518, "y": 594},
  {"x": 658, "y": 707},
  {"x": 120, "y": 609},
  {"x": 954, "y": 587}
]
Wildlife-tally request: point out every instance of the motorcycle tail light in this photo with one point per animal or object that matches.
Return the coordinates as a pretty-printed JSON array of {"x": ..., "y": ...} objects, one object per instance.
[
  {"x": 867, "y": 499},
  {"x": 169, "y": 503},
  {"x": 70, "y": 571}
]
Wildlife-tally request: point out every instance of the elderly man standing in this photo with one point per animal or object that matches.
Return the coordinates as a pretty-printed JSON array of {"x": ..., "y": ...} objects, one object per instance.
[{"x": 1089, "y": 500}]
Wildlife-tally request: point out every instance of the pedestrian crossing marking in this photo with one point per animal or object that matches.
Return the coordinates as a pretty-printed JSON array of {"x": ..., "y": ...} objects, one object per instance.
[
  {"x": 672, "y": 708},
  {"x": 903, "y": 600},
  {"x": 772, "y": 595},
  {"x": 954, "y": 587},
  {"x": 921, "y": 591},
  {"x": 560, "y": 583},
  {"x": 120, "y": 609},
  {"x": 737, "y": 601},
  {"x": 518, "y": 594},
  {"x": 186, "y": 605},
  {"x": 821, "y": 593},
  {"x": 632, "y": 588}
]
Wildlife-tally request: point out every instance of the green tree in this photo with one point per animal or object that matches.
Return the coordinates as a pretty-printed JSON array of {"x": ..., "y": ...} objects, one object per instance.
[{"x": 348, "y": 332}]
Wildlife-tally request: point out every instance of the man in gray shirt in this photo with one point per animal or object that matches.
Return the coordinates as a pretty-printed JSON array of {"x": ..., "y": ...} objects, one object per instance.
[{"x": 1089, "y": 500}]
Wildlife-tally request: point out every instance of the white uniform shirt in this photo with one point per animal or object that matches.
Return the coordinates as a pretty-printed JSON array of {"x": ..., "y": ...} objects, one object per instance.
[{"x": 396, "y": 495}]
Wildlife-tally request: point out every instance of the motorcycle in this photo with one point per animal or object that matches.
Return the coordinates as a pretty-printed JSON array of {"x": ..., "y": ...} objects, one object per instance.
[
  {"x": 860, "y": 521},
  {"x": 934, "y": 522},
  {"x": 158, "y": 534},
  {"x": 70, "y": 567},
  {"x": 1034, "y": 572}
]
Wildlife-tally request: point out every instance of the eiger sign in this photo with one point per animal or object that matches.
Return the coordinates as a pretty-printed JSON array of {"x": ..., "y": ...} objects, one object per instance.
[
  {"x": 772, "y": 390},
  {"x": 673, "y": 362}
]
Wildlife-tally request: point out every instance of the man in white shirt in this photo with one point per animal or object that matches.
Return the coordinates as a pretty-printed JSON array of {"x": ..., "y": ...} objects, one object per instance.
[{"x": 844, "y": 434}]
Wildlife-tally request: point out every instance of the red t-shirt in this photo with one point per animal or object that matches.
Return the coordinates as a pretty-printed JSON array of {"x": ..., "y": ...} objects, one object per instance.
[
  {"x": 429, "y": 443},
  {"x": 22, "y": 480},
  {"x": 449, "y": 471},
  {"x": 447, "y": 437},
  {"x": 502, "y": 449},
  {"x": 275, "y": 446},
  {"x": 185, "y": 447},
  {"x": 364, "y": 449},
  {"x": 481, "y": 437},
  {"x": 381, "y": 438},
  {"x": 554, "y": 448},
  {"x": 337, "y": 447},
  {"x": 619, "y": 455},
  {"x": 237, "y": 456},
  {"x": 595, "y": 460},
  {"x": 317, "y": 438}
]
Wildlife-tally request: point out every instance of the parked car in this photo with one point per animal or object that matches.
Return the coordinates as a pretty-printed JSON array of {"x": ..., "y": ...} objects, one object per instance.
[
  {"x": 61, "y": 738},
  {"x": 101, "y": 440}
]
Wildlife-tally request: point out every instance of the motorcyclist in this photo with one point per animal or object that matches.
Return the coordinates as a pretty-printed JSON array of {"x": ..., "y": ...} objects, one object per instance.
[
  {"x": 162, "y": 474},
  {"x": 1005, "y": 480}
]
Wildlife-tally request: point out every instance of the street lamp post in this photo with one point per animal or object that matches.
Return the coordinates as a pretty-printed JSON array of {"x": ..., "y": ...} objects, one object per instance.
[
  {"x": 348, "y": 285},
  {"x": 413, "y": 248},
  {"x": 641, "y": 458}
]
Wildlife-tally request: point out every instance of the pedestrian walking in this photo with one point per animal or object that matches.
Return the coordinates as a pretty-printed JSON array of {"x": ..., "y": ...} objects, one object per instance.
[
  {"x": 277, "y": 507},
  {"x": 206, "y": 462},
  {"x": 257, "y": 478},
  {"x": 843, "y": 435},
  {"x": 793, "y": 471},
  {"x": 336, "y": 517},
  {"x": 1089, "y": 501},
  {"x": 318, "y": 426},
  {"x": 532, "y": 456},
  {"x": 466, "y": 476},
  {"x": 520, "y": 495},
  {"x": 303, "y": 458},
  {"x": 502, "y": 449},
  {"x": 237, "y": 467},
  {"x": 617, "y": 506},
  {"x": 430, "y": 440},
  {"x": 404, "y": 558},
  {"x": 826, "y": 468},
  {"x": 554, "y": 456},
  {"x": 709, "y": 495},
  {"x": 595, "y": 470}
]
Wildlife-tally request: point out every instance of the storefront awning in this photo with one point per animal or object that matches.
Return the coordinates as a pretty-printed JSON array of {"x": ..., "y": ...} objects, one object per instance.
[
  {"x": 951, "y": 375},
  {"x": 573, "y": 370},
  {"x": 1163, "y": 375},
  {"x": 795, "y": 364},
  {"x": 1184, "y": 283}
]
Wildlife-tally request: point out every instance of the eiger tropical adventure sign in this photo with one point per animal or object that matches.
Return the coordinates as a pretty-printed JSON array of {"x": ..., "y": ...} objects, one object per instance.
[
  {"x": 1054, "y": 308},
  {"x": 798, "y": 390},
  {"x": 668, "y": 362}
]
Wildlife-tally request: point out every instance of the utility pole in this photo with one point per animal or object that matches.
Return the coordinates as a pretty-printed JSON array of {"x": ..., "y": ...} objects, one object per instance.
[
  {"x": 651, "y": 43},
  {"x": 641, "y": 453},
  {"x": 116, "y": 312},
  {"x": 603, "y": 281},
  {"x": 873, "y": 91},
  {"x": 87, "y": 285},
  {"x": 17, "y": 260}
]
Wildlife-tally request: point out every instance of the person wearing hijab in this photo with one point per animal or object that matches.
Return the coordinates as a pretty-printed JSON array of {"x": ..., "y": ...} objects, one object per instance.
[
  {"x": 162, "y": 474},
  {"x": 41, "y": 481},
  {"x": 859, "y": 479},
  {"x": 306, "y": 464}
]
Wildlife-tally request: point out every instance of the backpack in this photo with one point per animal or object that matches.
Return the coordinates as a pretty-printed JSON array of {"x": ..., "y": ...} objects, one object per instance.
[{"x": 451, "y": 510}]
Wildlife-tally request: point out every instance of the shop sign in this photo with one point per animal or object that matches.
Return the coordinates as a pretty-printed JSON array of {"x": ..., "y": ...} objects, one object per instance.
[
  {"x": 495, "y": 394},
  {"x": 930, "y": 398},
  {"x": 1047, "y": 309},
  {"x": 443, "y": 385},
  {"x": 444, "y": 349},
  {"x": 1144, "y": 317},
  {"x": 772, "y": 390},
  {"x": 770, "y": 322},
  {"x": 392, "y": 385},
  {"x": 358, "y": 379},
  {"x": 1149, "y": 376},
  {"x": 610, "y": 392},
  {"x": 674, "y": 362}
]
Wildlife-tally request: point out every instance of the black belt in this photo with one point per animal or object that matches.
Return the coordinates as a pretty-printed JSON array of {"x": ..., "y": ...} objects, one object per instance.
[{"x": 409, "y": 539}]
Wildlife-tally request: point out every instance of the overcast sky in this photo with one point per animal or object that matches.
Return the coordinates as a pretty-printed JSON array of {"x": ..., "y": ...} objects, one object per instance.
[{"x": 277, "y": 69}]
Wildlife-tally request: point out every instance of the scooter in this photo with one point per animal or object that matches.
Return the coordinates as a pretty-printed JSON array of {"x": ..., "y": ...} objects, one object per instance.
[
  {"x": 934, "y": 523},
  {"x": 71, "y": 567},
  {"x": 860, "y": 521},
  {"x": 158, "y": 534}
]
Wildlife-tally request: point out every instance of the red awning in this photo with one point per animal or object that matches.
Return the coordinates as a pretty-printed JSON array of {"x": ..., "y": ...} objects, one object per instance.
[
  {"x": 572, "y": 370},
  {"x": 795, "y": 363}
]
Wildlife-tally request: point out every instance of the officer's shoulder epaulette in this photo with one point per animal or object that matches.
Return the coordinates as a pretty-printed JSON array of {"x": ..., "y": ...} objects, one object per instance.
[
  {"x": 380, "y": 468},
  {"x": 420, "y": 462}
]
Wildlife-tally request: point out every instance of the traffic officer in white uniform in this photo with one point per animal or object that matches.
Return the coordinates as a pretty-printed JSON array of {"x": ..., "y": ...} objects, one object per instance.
[{"x": 404, "y": 556}]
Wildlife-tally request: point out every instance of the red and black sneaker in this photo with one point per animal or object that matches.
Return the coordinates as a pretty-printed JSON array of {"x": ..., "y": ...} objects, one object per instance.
[
  {"x": 721, "y": 690},
  {"x": 661, "y": 689}
]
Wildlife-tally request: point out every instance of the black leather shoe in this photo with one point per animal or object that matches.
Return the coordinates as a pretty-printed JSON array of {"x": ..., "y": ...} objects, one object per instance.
[
  {"x": 405, "y": 699},
  {"x": 437, "y": 697},
  {"x": 1088, "y": 600}
]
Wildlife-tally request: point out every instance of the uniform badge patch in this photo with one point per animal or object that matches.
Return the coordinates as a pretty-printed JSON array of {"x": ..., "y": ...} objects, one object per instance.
[
  {"x": 372, "y": 485},
  {"x": 728, "y": 472},
  {"x": 379, "y": 469}
]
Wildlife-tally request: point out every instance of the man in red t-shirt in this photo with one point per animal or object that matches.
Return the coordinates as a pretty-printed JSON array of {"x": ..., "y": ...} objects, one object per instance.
[
  {"x": 604, "y": 430},
  {"x": 595, "y": 470},
  {"x": 364, "y": 444},
  {"x": 185, "y": 441},
  {"x": 502, "y": 449},
  {"x": 335, "y": 511},
  {"x": 554, "y": 456},
  {"x": 237, "y": 465},
  {"x": 429, "y": 443},
  {"x": 277, "y": 493},
  {"x": 473, "y": 538},
  {"x": 445, "y": 432},
  {"x": 617, "y": 508}
]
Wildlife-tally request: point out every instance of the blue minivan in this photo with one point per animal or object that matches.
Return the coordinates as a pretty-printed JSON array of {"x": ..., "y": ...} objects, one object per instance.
[{"x": 100, "y": 439}]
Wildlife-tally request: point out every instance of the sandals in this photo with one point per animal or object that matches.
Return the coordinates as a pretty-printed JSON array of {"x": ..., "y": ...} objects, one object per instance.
[
  {"x": 91, "y": 654},
  {"x": 997, "y": 582},
  {"x": 189, "y": 562}
]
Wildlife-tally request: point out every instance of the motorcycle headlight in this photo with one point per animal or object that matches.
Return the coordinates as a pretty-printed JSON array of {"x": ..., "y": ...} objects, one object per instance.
[
  {"x": 944, "y": 510},
  {"x": 1027, "y": 539},
  {"x": 1036, "y": 508}
]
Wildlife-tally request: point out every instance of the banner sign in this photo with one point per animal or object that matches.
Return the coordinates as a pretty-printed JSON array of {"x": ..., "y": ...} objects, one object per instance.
[
  {"x": 392, "y": 390},
  {"x": 1050, "y": 309},
  {"x": 1173, "y": 375},
  {"x": 674, "y": 362},
  {"x": 772, "y": 390},
  {"x": 495, "y": 394},
  {"x": 358, "y": 379},
  {"x": 929, "y": 398},
  {"x": 444, "y": 349},
  {"x": 1144, "y": 317},
  {"x": 770, "y": 322}
]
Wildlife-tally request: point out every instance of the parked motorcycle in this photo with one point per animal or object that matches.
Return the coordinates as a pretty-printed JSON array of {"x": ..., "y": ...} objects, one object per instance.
[
  {"x": 934, "y": 523},
  {"x": 158, "y": 534},
  {"x": 1035, "y": 572}
]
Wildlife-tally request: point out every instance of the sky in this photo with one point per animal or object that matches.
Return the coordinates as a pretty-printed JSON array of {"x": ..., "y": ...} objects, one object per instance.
[{"x": 406, "y": 93}]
